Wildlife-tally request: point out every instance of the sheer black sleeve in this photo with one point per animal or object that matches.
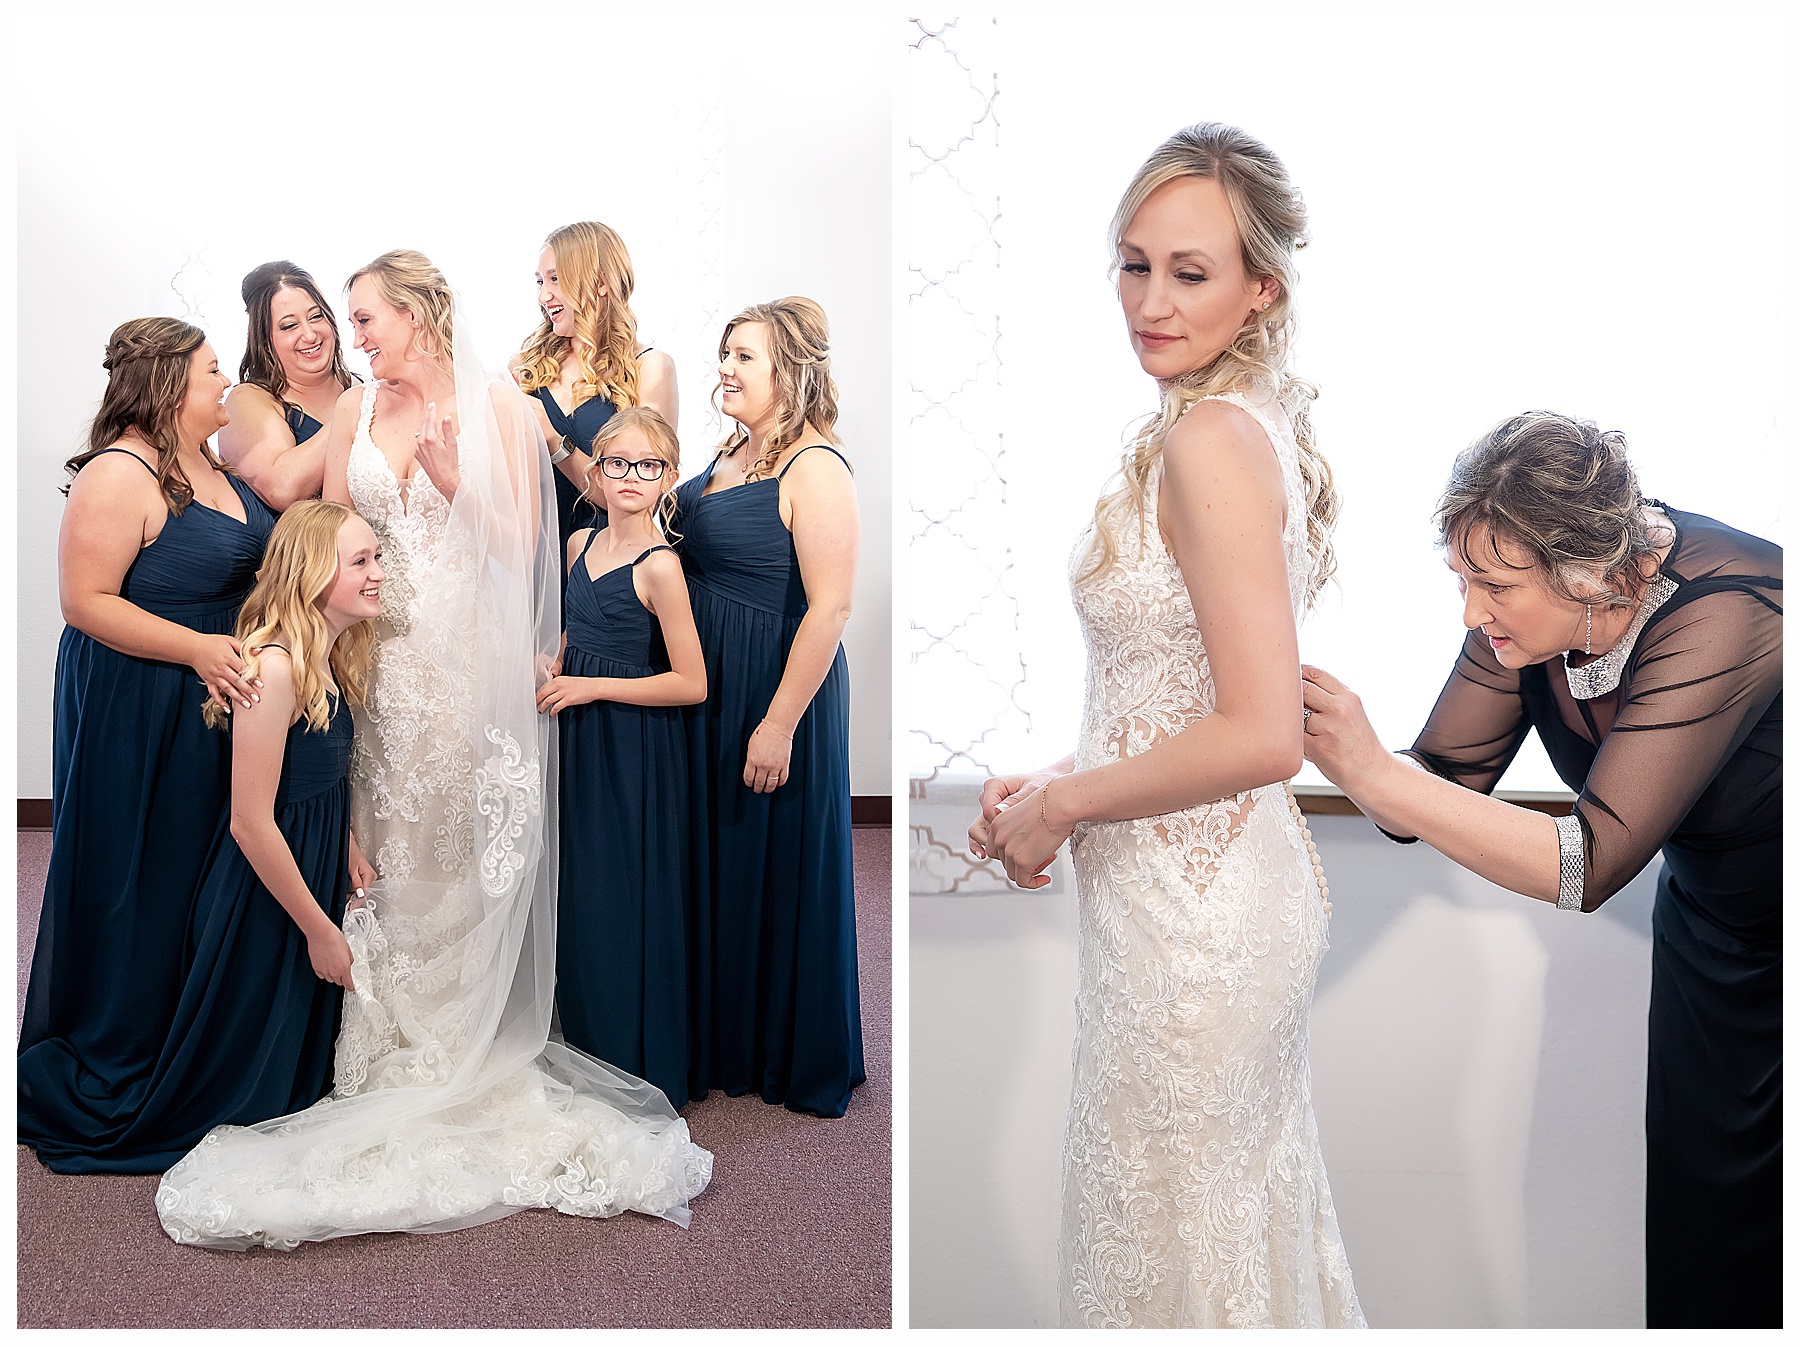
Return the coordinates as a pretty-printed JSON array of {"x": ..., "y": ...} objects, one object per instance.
[
  {"x": 1703, "y": 675},
  {"x": 1476, "y": 726},
  {"x": 1478, "y": 723}
]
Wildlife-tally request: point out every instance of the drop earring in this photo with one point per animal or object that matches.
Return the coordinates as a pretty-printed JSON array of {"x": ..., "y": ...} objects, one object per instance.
[{"x": 1588, "y": 648}]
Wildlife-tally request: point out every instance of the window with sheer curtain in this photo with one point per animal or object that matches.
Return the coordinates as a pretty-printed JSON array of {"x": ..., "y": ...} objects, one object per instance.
[{"x": 1503, "y": 217}]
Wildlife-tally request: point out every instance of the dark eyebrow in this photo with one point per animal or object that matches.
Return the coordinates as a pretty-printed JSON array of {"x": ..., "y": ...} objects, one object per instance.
[{"x": 1186, "y": 254}]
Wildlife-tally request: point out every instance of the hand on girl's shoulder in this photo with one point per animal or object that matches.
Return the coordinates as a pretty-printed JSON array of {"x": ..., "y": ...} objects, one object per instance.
[{"x": 275, "y": 669}]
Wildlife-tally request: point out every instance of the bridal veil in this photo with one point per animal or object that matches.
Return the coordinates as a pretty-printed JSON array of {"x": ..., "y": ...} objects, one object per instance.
[{"x": 452, "y": 1103}]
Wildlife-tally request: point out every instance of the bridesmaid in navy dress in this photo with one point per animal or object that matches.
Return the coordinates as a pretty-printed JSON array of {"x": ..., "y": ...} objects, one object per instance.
[
  {"x": 630, "y": 659},
  {"x": 768, "y": 534},
  {"x": 159, "y": 546},
  {"x": 289, "y": 381},
  {"x": 583, "y": 362},
  {"x": 253, "y": 1030}
]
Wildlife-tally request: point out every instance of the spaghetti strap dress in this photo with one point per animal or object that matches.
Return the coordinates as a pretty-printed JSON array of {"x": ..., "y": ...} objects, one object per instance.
[
  {"x": 253, "y": 1030},
  {"x": 774, "y": 1000},
  {"x": 304, "y": 425},
  {"x": 139, "y": 785},
  {"x": 622, "y": 893}
]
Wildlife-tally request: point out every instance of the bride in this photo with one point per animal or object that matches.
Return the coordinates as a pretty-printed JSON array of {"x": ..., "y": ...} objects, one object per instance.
[
  {"x": 1194, "y": 1192},
  {"x": 451, "y": 1106}
]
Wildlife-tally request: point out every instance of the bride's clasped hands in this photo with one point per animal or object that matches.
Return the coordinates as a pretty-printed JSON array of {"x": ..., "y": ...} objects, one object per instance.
[{"x": 1019, "y": 827}]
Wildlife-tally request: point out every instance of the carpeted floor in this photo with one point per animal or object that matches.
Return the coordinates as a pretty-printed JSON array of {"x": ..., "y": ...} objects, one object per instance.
[{"x": 795, "y": 1231}]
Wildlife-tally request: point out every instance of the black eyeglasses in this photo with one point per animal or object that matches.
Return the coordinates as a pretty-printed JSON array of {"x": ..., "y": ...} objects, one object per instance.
[{"x": 649, "y": 469}]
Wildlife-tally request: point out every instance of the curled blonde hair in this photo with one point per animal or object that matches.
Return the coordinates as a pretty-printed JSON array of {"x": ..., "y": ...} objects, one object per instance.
[
  {"x": 1562, "y": 491},
  {"x": 660, "y": 435},
  {"x": 1271, "y": 223},
  {"x": 589, "y": 256},
  {"x": 408, "y": 281},
  {"x": 299, "y": 567},
  {"x": 800, "y": 356}
]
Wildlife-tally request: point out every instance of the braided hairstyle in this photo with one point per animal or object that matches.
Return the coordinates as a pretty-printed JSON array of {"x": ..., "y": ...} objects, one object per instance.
[{"x": 149, "y": 361}]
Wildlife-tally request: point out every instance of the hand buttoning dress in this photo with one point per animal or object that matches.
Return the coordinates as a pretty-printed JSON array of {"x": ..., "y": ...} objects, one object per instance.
[{"x": 1194, "y": 1191}]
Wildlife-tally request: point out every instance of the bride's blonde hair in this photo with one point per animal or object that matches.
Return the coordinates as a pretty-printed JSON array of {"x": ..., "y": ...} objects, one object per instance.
[
  {"x": 299, "y": 567},
  {"x": 409, "y": 282},
  {"x": 1271, "y": 225}
]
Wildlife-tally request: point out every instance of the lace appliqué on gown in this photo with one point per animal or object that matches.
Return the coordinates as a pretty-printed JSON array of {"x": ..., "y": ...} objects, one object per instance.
[{"x": 1194, "y": 1191}]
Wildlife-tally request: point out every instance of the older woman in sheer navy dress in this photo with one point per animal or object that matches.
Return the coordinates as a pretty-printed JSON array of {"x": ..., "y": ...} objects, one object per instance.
[
  {"x": 583, "y": 362},
  {"x": 159, "y": 546},
  {"x": 289, "y": 381},
  {"x": 1643, "y": 643},
  {"x": 768, "y": 535}
]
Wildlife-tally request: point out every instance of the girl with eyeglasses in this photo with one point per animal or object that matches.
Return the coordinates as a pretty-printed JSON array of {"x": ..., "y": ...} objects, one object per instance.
[{"x": 630, "y": 658}]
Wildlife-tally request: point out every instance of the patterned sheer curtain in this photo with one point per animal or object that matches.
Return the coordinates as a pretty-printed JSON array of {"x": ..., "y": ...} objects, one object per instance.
[{"x": 966, "y": 666}]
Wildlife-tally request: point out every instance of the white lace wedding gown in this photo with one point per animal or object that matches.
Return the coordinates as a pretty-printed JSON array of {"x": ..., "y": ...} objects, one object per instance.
[
  {"x": 449, "y": 1108},
  {"x": 1194, "y": 1192}
]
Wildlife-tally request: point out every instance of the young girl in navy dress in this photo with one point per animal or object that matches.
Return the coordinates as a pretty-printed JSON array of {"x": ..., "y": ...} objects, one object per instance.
[
  {"x": 258, "y": 1007},
  {"x": 631, "y": 658}
]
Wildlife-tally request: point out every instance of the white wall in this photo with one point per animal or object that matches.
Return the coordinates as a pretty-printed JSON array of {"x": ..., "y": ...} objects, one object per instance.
[
  {"x": 739, "y": 161},
  {"x": 1578, "y": 208},
  {"x": 1478, "y": 1077}
]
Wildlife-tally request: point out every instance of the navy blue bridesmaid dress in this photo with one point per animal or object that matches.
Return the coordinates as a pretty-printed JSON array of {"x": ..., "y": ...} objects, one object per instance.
[
  {"x": 139, "y": 785},
  {"x": 304, "y": 425},
  {"x": 253, "y": 1031},
  {"x": 622, "y": 893},
  {"x": 580, "y": 425},
  {"x": 773, "y": 930}
]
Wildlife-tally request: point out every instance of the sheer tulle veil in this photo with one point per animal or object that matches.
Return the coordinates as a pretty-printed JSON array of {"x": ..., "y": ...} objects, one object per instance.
[{"x": 452, "y": 1104}]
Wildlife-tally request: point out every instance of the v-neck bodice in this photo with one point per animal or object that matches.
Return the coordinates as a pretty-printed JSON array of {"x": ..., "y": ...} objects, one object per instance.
[{"x": 203, "y": 561}]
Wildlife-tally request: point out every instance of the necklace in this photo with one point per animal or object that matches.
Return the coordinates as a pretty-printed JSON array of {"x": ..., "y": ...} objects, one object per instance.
[{"x": 1602, "y": 675}]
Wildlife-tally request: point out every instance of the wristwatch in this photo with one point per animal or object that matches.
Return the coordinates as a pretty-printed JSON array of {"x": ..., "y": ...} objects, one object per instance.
[{"x": 557, "y": 455}]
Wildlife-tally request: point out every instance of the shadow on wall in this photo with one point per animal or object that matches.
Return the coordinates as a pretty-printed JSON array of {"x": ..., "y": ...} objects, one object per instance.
[{"x": 1478, "y": 1068}]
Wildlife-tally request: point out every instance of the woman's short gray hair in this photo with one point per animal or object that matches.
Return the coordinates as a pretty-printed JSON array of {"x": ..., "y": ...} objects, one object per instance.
[{"x": 1560, "y": 490}]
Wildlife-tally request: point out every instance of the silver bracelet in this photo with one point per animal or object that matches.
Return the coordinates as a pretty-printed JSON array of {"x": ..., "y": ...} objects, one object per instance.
[{"x": 1571, "y": 851}]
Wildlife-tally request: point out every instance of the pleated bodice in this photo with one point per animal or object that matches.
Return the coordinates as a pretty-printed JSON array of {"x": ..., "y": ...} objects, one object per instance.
[
  {"x": 202, "y": 564},
  {"x": 735, "y": 546},
  {"x": 604, "y": 616},
  {"x": 316, "y": 761}
]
